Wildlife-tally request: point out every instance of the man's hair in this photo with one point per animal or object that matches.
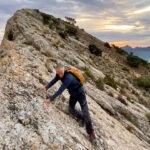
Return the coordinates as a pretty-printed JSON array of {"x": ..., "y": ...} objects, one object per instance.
[{"x": 59, "y": 66}]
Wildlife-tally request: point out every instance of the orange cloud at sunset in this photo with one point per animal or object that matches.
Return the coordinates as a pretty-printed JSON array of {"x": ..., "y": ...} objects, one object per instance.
[
  {"x": 119, "y": 43},
  {"x": 124, "y": 43}
]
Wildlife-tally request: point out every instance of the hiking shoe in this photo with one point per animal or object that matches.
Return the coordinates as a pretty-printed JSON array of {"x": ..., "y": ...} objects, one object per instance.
[
  {"x": 93, "y": 138},
  {"x": 82, "y": 123}
]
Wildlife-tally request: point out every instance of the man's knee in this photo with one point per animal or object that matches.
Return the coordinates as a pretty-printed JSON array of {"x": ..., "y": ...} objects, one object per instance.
[
  {"x": 86, "y": 114},
  {"x": 84, "y": 108}
]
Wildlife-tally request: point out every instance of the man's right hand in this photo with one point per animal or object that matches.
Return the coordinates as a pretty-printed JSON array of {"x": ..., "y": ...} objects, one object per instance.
[
  {"x": 43, "y": 88},
  {"x": 47, "y": 102}
]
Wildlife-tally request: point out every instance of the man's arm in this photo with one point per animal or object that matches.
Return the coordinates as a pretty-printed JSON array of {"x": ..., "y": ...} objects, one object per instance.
[
  {"x": 52, "y": 82},
  {"x": 62, "y": 88}
]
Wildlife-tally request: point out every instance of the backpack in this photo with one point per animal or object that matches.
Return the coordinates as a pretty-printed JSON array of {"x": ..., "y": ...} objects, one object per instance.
[{"x": 77, "y": 73}]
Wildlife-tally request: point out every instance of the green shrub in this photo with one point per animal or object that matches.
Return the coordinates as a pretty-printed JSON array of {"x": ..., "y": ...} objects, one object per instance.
[
  {"x": 70, "y": 20},
  {"x": 107, "y": 45},
  {"x": 71, "y": 30},
  {"x": 46, "y": 18},
  {"x": 100, "y": 84},
  {"x": 59, "y": 29},
  {"x": 145, "y": 63},
  {"x": 144, "y": 102},
  {"x": 37, "y": 10},
  {"x": 135, "y": 61},
  {"x": 121, "y": 99},
  {"x": 95, "y": 50},
  {"x": 10, "y": 36},
  {"x": 56, "y": 21},
  {"x": 35, "y": 126},
  {"x": 148, "y": 116},
  {"x": 148, "y": 90},
  {"x": 63, "y": 34},
  {"x": 126, "y": 113},
  {"x": 88, "y": 74},
  {"x": 27, "y": 43},
  {"x": 110, "y": 81},
  {"x": 130, "y": 128},
  {"x": 143, "y": 82}
]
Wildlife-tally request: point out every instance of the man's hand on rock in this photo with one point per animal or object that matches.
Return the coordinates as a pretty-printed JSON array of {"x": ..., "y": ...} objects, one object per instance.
[
  {"x": 47, "y": 102},
  {"x": 43, "y": 88}
]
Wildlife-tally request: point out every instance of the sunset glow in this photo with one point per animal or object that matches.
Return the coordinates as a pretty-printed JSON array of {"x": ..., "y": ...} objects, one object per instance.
[
  {"x": 124, "y": 43},
  {"x": 119, "y": 43}
]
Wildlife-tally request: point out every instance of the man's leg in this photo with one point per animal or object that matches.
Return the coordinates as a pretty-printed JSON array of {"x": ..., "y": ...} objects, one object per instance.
[
  {"x": 86, "y": 116},
  {"x": 72, "y": 110},
  {"x": 85, "y": 111}
]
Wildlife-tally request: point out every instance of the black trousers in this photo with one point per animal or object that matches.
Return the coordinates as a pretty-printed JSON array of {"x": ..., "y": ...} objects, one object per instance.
[{"x": 84, "y": 115}]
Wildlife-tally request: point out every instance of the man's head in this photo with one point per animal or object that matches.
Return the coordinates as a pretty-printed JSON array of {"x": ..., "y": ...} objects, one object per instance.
[{"x": 60, "y": 70}]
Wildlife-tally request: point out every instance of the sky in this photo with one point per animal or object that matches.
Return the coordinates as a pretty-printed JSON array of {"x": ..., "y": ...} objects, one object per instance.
[{"x": 121, "y": 22}]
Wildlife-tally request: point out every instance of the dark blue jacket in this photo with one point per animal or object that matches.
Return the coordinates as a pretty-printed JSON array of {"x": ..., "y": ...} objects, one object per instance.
[{"x": 69, "y": 81}]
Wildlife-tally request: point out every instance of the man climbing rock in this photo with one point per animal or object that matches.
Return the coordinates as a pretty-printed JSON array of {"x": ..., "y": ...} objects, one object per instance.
[{"x": 76, "y": 91}]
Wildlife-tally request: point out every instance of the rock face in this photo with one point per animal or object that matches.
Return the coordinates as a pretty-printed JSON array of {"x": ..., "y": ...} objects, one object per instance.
[{"x": 30, "y": 50}]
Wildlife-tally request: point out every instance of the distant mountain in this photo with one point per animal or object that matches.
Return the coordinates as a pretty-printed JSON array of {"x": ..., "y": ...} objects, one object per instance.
[{"x": 143, "y": 52}]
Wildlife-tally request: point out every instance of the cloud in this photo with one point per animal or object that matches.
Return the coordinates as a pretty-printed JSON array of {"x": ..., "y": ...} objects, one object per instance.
[
  {"x": 119, "y": 27},
  {"x": 147, "y": 9}
]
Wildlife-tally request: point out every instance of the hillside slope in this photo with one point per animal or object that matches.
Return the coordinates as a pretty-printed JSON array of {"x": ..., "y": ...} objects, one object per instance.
[
  {"x": 143, "y": 52},
  {"x": 30, "y": 50}
]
